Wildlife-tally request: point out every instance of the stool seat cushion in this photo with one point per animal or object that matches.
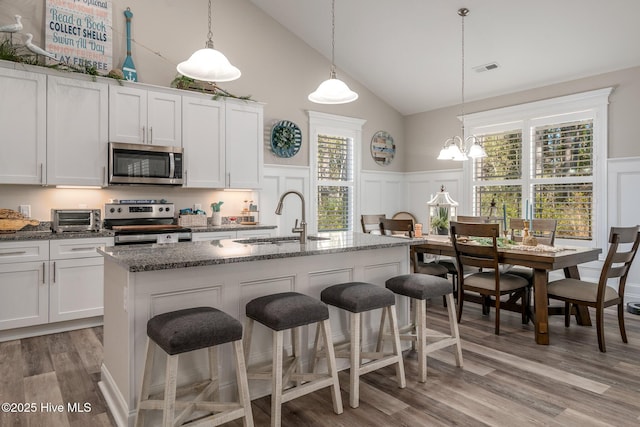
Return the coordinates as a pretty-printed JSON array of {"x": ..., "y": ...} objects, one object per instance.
[
  {"x": 357, "y": 297},
  {"x": 419, "y": 286},
  {"x": 287, "y": 310},
  {"x": 192, "y": 329}
]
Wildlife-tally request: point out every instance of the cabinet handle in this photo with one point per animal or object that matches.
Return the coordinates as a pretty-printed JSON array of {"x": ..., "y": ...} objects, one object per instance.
[
  {"x": 13, "y": 253},
  {"x": 104, "y": 175},
  {"x": 43, "y": 267},
  {"x": 41, "y": 173},
  {"x": 54, "y": 272},
  {"x": 186, "y": 177},
  {"x": 86, "y": 248},
  {"x": 150, "y": 134},
  {"x": 144, "y": 133},
  {"x": 228, "y": 179}
]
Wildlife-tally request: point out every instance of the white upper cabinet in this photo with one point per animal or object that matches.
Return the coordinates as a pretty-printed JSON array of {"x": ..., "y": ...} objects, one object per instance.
[
  {"x": 23, "y": 123},
  {"x": 244, "y": 140},
  {"x": 77, "y": 132},
  {"x": 222, "y": 143},
  {"x": 140, "y": 116},
  {"x": 203, "y": 142}
]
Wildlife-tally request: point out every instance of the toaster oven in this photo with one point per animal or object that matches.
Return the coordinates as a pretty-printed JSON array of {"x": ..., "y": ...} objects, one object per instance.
[{"x": 75, "y": 220}]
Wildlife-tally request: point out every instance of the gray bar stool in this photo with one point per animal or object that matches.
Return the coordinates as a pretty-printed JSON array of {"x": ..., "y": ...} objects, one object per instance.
[
  {"x": 357, "y": 298},
  {"x": 181, "y": 331},
  {"x": 290, "y": 311},
  {"x": 419, "y": 288}
]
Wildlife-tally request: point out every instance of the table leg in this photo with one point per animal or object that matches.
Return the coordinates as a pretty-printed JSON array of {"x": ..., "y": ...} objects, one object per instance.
[
  {"x": 541, "y": 320},
  {"x": 582, "y": 311}
]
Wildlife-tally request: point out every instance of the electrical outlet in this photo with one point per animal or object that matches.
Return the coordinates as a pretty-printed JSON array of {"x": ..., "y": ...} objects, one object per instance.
[
  {"x": 25, "y": 210},
  {"x": 197, "y": 207}
]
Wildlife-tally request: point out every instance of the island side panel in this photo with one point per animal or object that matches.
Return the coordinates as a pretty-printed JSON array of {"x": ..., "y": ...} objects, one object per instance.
[{"x": 116, "y": 380}]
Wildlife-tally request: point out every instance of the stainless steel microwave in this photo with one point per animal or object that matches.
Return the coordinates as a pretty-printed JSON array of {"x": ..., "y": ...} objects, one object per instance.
[{"x": 145, "y": 164}]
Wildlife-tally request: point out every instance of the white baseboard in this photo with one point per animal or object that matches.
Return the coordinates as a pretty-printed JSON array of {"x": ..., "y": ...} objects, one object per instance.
[
  {"x": 49, "y": 328},
  {"x": 115, "y": 402}
]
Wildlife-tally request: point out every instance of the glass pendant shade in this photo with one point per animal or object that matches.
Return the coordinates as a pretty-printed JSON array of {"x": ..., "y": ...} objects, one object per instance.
[
  {"x": 333, "y": 91},
  {"x": 208, "y": 65}
]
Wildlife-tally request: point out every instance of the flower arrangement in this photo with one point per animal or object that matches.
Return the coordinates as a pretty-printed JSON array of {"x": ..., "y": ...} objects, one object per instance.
[
  {"x": 440, "y": 222},
  {"x": 215, "y": 206}
]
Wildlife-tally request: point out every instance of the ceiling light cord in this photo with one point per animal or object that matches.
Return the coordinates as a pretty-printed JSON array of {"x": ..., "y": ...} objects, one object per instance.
[
  {"x": 209, "y": 42},
  {"x": 462, "y": 12},
  {"x": 333, "y": 39}
]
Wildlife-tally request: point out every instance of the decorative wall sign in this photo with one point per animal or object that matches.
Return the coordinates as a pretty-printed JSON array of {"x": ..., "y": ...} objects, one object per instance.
[
  {"x": 286, "y": 139},
  {"x": 79, "y": 33},
  {"x": 383, "y": 148}
]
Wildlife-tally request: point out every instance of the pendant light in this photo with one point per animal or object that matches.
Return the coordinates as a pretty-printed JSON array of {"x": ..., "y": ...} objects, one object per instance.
[
  {"x": 333, "y": 91},
  {"x": 458, "y": 147},
  {"x": 208, "y": 64}
]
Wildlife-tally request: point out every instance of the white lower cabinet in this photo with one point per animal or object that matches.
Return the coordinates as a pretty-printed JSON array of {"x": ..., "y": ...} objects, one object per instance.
[
  {"x": 50, "y": 281},
  {"x": 24, "y": 284}
]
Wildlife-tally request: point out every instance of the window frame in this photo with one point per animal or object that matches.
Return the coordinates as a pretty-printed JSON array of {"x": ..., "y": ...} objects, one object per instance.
[
  {"x": 335, "y": 125},
  {"x": 592, "y": 105}
]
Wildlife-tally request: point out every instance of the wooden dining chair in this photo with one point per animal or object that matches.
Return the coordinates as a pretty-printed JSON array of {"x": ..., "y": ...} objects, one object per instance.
[
  {"x": 600, "y": 295},
  {"x": 405, "y": 227},
  {"x": 371, "y": 223},
  {"x": 490, "y": 283},
  {"x": 476, "y": 219}
]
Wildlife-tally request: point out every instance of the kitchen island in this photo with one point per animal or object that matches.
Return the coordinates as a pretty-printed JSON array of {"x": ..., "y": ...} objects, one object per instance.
[{"x": 145, "y": 280}]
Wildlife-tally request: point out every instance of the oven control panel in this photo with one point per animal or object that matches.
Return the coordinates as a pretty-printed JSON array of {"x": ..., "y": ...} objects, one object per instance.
[{"x": 139, "y": 211}]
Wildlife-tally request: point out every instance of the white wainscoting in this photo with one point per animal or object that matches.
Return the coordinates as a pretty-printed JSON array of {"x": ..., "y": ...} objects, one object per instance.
[
  {"x": 623, "y": 178},
  {"x": 391, "y": 192}
]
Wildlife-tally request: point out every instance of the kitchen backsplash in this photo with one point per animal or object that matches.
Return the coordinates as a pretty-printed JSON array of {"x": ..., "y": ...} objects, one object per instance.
[{"x": 43, "y": 199}]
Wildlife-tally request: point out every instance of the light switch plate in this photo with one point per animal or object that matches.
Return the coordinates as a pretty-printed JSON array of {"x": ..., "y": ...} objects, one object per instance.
[{"x": 25, "y": 210}]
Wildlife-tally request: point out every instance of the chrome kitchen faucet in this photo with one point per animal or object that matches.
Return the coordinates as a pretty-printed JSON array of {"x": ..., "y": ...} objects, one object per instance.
[{"x": 303, "y": 223}]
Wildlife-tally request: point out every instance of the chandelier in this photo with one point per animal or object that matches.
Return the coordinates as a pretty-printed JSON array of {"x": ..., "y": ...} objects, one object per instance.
[{"x": 458, "y": 147}]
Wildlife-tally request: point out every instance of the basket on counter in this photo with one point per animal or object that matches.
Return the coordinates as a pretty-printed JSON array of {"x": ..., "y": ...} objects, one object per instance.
[{"x": 192, "y": 220}]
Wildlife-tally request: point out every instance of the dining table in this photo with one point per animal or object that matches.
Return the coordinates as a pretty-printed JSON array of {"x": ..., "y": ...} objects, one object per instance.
[{"x": 542, "y": 260}]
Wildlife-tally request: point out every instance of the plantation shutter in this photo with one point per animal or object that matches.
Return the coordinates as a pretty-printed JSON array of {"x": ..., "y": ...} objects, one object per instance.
[{"x": 335, "y": 165}]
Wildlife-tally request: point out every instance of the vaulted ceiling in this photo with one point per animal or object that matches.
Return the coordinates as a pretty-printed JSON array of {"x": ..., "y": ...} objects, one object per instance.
[{"x": 409, "y": 53}]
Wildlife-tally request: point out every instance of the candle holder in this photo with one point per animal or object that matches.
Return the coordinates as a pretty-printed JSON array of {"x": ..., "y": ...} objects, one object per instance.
[{"x": 528, "y": 239}]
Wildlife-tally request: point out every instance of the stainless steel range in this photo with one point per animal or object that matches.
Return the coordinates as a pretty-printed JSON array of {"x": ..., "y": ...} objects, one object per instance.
[{"x": 144, "y": 221}]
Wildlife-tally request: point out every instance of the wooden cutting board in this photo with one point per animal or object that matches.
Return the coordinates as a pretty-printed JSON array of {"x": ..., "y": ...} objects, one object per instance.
[{"x": 13, "y": 225}]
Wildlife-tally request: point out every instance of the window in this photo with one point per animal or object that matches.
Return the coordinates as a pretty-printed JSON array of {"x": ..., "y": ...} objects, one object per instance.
[
  {"x": 551, "y": 154},
  {"x": 334, "y": 167}
]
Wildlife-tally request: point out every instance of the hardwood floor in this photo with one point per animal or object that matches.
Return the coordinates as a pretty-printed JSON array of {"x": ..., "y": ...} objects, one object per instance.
[{"x": 507, "y": 380}]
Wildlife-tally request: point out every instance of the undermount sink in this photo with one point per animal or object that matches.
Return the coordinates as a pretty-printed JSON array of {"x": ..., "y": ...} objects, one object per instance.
[{"x": 277, "y": 240}]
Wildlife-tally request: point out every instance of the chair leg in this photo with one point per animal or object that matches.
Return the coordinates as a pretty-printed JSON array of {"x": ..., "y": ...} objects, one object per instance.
[
  {"x": 497, "y": 329},
  {"x": 600, "y": 328},
  {"x": 455, "y": 332},
  {"x": 623, "y": 332},
  {"x": 246, "y": 341},
  {"x": 354, "y": 369},
  {"x": 380, "y": 342},
  {"x": 313, "y": 363},
  {"x": 276, "y": 381},
  {"x": 567, "y": 314},
  {"x": 168, "y": 413},
  {"x": 243, "y": 384},
  {"x": 421, "y": 332},
  {"x": 331, "y": 365},
  {"x": 460, "y": 302},
  {"x": 297, "y": 351},
  {"x": 214, "y": 372},
  {"x": 525, "y": 305},
  {"x": 397, "y": 350},
  {"x": 146, "y": 382}
]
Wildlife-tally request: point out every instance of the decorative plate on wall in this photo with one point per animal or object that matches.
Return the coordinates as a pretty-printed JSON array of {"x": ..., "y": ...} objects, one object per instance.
[
  {"x": 382, "y": 148},
  {"x": 286, "y": 139}
]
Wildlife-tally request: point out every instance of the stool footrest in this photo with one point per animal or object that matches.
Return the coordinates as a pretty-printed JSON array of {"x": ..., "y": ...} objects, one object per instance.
[
  {"x": 379, "y": 363},
  {"x": 306, "y": 388}
]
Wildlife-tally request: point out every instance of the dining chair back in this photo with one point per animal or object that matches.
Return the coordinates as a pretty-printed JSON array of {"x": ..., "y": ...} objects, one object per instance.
[
  {"x": 623, "y": 247},
  {"x": 476, "y": 219},
  {"x": 490, "y": 283},
  {"x": 396, "y": 226},
  {"x": 371, "y": 223},
  {"x": 544, "y": 229}
]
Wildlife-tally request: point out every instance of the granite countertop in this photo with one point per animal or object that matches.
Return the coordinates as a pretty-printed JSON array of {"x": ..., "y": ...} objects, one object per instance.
[
  {"x": 43, "y": 232},
  {"x": 138, "y": 258}
]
